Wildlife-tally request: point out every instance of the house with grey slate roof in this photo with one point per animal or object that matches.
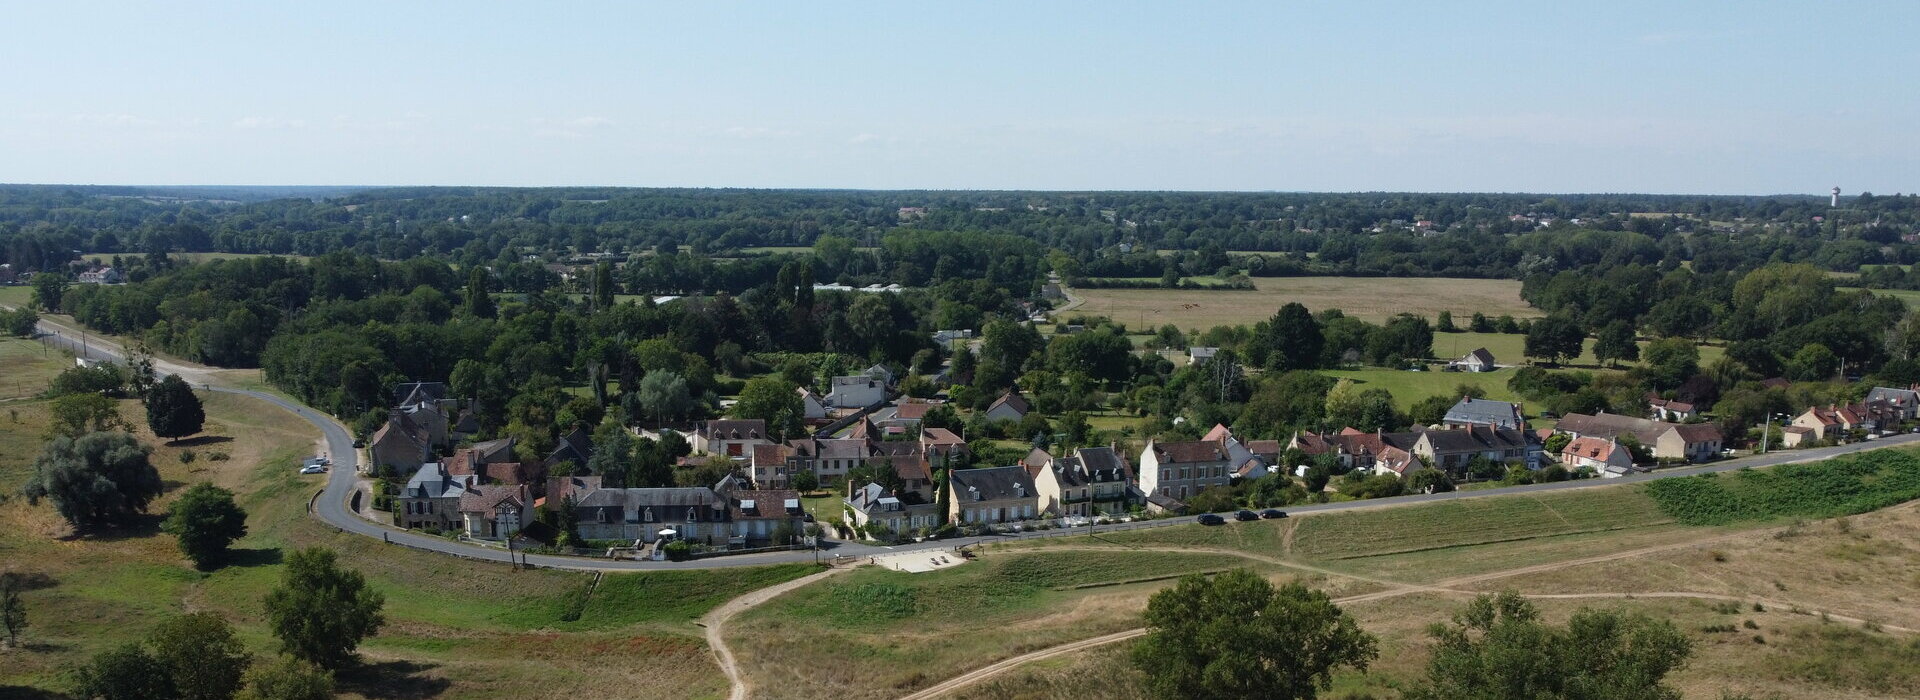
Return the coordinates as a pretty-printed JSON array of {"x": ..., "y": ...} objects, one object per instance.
[
  {"x": 991, "y": 495},
  {"x": 1483, "y": 412}
]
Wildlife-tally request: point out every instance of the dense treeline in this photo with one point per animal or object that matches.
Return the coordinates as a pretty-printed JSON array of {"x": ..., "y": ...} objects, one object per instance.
[{"x": 1100, "y": 234}]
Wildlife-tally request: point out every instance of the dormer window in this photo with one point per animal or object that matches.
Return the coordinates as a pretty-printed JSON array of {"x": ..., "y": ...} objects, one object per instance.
[
  {"x": 693, "y": 515},
  {"x": 647, "y": 516}
]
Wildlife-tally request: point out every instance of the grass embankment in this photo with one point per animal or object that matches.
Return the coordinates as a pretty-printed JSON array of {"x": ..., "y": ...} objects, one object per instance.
[
  {"x": 30, "y": 367},
  {"x": 876, "y": 633},
  {"x": 1843, "y": 485},
  {"x": 456, "y": 628},
  {"x": 1862, "y": 567}
]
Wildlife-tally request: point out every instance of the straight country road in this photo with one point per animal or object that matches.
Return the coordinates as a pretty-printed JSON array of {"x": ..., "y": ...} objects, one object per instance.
[{"x": 332, "y": 507}]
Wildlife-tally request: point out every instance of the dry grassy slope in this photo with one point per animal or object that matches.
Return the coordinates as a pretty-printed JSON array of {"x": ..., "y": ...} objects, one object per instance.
[{"x": 1864, "y": 567}]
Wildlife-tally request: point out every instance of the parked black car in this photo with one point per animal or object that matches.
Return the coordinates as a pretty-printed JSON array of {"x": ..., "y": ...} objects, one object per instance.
[
  {"x": 1272, "y": 513},
  {"x": 1210, "y": 519},
  {"x": 1245, "y": 515}
]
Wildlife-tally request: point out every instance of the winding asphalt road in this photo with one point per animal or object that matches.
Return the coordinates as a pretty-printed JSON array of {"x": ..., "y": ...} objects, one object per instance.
[{"x": 332, "y": 505}]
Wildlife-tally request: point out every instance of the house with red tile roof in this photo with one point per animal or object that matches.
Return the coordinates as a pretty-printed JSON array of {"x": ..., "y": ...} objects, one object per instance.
[{"x": 1603, "y": 455}]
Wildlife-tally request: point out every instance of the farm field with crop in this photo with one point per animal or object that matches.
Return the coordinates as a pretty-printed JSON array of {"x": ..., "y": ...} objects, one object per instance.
[{"x": 1370, "y": 298}]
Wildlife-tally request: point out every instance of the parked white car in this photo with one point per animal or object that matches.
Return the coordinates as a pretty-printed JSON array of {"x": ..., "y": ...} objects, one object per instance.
[{"x": 313, "y": 469}]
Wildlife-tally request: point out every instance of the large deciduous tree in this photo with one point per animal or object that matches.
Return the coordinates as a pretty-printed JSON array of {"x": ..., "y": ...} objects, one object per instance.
[
  {"x": 1236, "y": 636},
  {"x": 94, "y": 479},
  {"x": 1498, "y": 649},
  {"x": 74, "y": 415},
  {"x": 201, "y": 655},
  {"x": 173, "y": 411},
  {"x": 1553, "y": 338},
  {"x": 125, "y": 672},
  {"x": 13, "y": 608},
  {"x": 1615, "y": 342},
  {"x": 771, "y": 399},
  {"x": 320, "y": 612},
  {"x": 206, "y": 521},
  {"x": 1295, "y": 339}
]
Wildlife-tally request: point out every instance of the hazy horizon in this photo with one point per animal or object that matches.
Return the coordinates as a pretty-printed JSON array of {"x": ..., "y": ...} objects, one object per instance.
[{"x": 1633, "y": 97}]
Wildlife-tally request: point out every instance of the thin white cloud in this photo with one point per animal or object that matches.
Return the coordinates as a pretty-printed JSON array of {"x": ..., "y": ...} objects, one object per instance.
[
  {"x": 269, "y": 123},
  {"x": 121, "y": 120}
]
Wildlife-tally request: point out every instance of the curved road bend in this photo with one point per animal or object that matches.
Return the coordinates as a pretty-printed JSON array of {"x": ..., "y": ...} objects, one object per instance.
[{"x": 332, "y": 505}]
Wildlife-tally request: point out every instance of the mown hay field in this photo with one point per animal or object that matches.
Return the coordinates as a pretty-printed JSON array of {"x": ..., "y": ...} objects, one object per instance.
[{"x": 1369, "y": 298}]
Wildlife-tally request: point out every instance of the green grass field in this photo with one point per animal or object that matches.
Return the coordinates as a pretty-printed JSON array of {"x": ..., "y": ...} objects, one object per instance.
[
  {"x": 26, "y": 367},
  {"x": 1910, "y": 296},
  {"x": 1410, "y": 387},
  {"x": 16, "y": 295}
]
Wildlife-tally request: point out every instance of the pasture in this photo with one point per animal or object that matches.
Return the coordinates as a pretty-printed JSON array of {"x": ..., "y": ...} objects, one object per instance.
[
  {"x": 1910, "y": 296},
  {"x": 1370, "y": 298}
]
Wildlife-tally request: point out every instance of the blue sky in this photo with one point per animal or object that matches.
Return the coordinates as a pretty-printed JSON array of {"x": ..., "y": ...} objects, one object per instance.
[{"x": 1752, "y": 97}]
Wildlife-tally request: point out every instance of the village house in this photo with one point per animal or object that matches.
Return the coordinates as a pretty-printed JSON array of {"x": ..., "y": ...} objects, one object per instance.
[
  {"x": 1477, "y": 361},
  {"x": 1452, "y": 450},
  {"x": 857, "y": 391},
  {"x": 901, "y": 418},
  {"x": 494, "y": 511},
  {"x": 1093, "y": 480},
  {"x": 991, "y": 495},
  {"x": 898, "y": 511},
  {"x": 732, "y": 438},
  {"x": 431, "y": 498},
  {"x": 1836, "y": 420},
  {"x": 940, "y": 446},
  {"x": 1010, "y": 407},
  {"x": 1244, "y": 462},
  {"x": 574, "y": 448},
  {"x": 812, "y": 405},
  {"x": 1669, "y": 410},
  {"x": 828, "y": 458},
  {"x": 1200, "y": 353},
  {"x": 769, "y": 467},
  {"x": 1471, "y": 412},
  {"x": 1179, "y": 470},
  {"x": 712, "y": 516},
  {"x": 101, "y": 275},
  {"x": 1604, "y": 456},
  {"x": 1691, "y": 442},
  {"x": 400, "y": 446},
  {"x": 1902, "y": 405}
]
